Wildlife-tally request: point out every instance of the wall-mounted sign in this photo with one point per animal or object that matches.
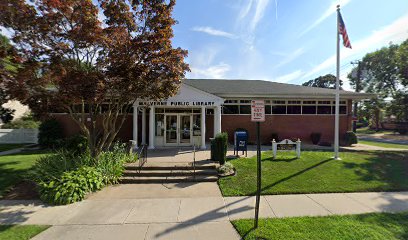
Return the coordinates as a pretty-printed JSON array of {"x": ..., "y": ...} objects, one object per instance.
[{"x": 257, "y": 111}]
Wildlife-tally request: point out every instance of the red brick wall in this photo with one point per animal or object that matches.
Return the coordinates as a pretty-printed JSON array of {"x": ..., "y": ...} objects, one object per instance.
[
  {"x": 286, "y": 126},
  {"x": 71, "y": 128}
]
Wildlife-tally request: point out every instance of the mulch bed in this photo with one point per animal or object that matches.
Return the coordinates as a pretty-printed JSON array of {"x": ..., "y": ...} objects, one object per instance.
[{"x": 25, "y": 190}]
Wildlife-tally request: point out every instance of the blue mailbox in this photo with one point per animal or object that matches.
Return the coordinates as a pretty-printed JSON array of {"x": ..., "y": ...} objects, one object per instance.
[{"x": 241, "y": 142}]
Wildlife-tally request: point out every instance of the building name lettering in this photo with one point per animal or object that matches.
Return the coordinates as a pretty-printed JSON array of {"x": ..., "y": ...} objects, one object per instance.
[{"x": 178, "y": 103}]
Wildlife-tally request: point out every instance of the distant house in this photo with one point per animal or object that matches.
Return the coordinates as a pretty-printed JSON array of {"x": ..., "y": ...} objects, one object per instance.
[
  {"x": 205, "y": 107},
  {"x": 19, "y": 109}
]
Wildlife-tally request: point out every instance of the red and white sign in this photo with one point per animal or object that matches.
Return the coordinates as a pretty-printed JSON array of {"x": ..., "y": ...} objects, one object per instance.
[{"x": 257, "y": 111}]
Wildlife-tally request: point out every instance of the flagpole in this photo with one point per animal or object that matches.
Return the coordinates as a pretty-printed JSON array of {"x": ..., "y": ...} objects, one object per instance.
[{"x": 336, "y": 117}]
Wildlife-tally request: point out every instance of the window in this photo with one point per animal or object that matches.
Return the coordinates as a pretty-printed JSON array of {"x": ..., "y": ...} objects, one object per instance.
[
  {"x": 294, "y": 109},
  {"x": 342, "y": 110},
  {"x": 279, "y": 102},
  {"x": 323, "y": 109},
  {"x": 230, "y": 109},
  {"x": 231, "y": 101},
  {"x": 209, "y": 111},
  {"x": 197, "y": 125},
  {"x": 159, "y": 118},
  {"x": 309, "y": 109},
  {"x": 293, "y": 102},
  {"x": 278, "y": 109},
  {"x": 245, "y": 101},
  {"x": 245, "y": 109},
  {"x": 268, "y": 109}
]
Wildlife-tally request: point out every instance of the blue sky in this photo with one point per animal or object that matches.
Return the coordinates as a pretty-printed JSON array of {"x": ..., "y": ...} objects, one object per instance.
[{"x": 285, "y": 41}]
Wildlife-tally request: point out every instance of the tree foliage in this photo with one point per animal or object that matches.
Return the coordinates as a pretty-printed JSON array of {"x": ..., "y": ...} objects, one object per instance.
[
  {"x": 326, "y": 81},
  {"x": 8, "y": 66},
  {"x": 93, "y": 59},
  {"x": 385, "y": 73}
]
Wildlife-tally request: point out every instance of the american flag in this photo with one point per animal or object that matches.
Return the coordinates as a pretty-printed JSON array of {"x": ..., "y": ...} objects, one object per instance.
[{"x": 343, "y": 32}]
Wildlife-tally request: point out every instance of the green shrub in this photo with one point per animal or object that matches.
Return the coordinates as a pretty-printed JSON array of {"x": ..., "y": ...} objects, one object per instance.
[
  {"x": 55, "y": 173},
  {"x": 52, "y": 166},
  {"x": 110, "y": 167},
  {"x": 50, "y": 134},
  {"x": 26, "y": 122},
  {"x": 315, "y": 137},
  {"x": 350, "y": 138},
  {"x": 76, "y": 144},
  {"x": 226, "y": 168},
  {"x": 220, "y": 147},
  {"x": 72, "y": 186}
]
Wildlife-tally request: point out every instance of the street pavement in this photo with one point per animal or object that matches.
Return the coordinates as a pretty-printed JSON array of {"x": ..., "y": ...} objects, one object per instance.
[{"x": 185, "y": 217}]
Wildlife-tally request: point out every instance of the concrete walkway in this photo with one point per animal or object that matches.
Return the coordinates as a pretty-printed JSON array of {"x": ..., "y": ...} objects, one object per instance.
[{"x": 184, "y": 217}]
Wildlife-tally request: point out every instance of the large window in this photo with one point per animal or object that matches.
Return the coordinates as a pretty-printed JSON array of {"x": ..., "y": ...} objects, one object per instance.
[{"x": 285, "y": 107}]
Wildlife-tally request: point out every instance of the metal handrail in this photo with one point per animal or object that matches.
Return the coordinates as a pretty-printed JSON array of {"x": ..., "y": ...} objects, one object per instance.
[
  {"x": 194, "y": 162},
  {"x": 142, "y": 156}
]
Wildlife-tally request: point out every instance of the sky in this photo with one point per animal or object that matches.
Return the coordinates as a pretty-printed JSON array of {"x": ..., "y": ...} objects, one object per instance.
[{"x": 283, "y": 41}]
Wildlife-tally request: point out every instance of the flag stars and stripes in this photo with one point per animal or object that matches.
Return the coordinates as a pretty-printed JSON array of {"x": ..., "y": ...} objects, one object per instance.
[{"x": 343, "y": 32}]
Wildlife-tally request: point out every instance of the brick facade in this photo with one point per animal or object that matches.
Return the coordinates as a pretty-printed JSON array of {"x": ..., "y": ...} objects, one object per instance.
[{"x": 286, "y": 126}]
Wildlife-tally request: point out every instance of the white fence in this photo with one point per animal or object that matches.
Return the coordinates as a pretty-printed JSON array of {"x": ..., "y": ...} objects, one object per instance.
[{"x": 18, "y": 135}]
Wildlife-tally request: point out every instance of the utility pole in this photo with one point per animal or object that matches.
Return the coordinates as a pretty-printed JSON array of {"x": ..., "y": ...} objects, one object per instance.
[{"x": 357, "y": 89}]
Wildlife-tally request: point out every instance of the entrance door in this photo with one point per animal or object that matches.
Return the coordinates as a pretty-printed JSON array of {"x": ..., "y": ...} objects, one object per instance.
[
  {"x": 185, "y": 129},
  {"x": 178, "y": 129},
  {"x": 171, "y": 129}
]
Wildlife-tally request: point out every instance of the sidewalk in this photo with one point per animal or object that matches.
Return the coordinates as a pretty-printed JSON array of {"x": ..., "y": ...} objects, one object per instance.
[{"x": 184, "y": 218}]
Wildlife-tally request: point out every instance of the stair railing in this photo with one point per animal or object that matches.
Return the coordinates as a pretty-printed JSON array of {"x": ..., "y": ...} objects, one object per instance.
[
  {"x": 194, "y": 161},
  {"x": 142, "y": 156}
]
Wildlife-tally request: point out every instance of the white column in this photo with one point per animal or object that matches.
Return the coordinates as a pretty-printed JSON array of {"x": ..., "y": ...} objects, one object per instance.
[
  {"x": 217, "y": 120},
  {"x": 135, "y": 126},
  {"x": 151, "y": 128},
  {"x": 143, "y": 125},
  {"x": 203, "y": 128}
]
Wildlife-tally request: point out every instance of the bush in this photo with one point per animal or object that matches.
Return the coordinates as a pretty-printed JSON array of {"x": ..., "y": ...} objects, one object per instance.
[
  {"x": 350, "y": 138},
  {"x": 72, "y": 186},
  {"x": 26, "y": 122},
  {"x": 315, "y": 137},
  {"x": 220, "y": 147},
  {"x": 76, "y": 144},
  {"x": 50, "y": 134},
  {"x": 226, "y": 168},
  {"x": 110, "y": 164},
  {"x": 51, "y": 167},
  {"x": 54, "y": 173}
]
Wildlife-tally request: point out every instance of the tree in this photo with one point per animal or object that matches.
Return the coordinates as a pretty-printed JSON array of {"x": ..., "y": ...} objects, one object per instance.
[
  {"x": 94, "y": 69},
  {"x": 8, "y": 66},
  {"x": 382, "y": 73},
  {"x": 326, "y": 81}
]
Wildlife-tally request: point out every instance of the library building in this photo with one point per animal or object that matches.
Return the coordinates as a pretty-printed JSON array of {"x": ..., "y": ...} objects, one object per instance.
[{"x": 204, "y": 107}]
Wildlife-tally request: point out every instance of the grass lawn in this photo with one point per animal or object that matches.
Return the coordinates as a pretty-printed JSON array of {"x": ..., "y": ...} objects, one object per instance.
[
  {"x": 364, "y": 226},
  {"x": 20, "y": 232},
  {"x": 6, "y": 147},
  {"x": 14, "y": 167},
  {"x": 317, "y": 172},
  {"x": 384, "y": 145},
  {"x": 367, "y": 130}
]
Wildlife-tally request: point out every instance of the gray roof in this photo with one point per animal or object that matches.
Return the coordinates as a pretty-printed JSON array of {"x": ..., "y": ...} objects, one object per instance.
[{"x": 261, "y": 88}]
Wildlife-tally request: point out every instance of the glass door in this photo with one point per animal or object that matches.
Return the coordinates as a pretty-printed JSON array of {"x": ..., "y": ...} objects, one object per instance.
[
  {"x": 171, "y": 129},
  {"x": 185, "y": 129}
]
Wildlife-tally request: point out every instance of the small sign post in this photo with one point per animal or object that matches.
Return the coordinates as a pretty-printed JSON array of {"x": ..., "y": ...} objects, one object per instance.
[{"x": 258, "y": 115}]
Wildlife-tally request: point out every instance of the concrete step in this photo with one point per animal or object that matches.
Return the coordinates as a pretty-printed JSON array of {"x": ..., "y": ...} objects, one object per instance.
[
  {"x": 169, "y": 173},
  {"x": 136, "y": 180},
  {"x": 170, "y": 168}
]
